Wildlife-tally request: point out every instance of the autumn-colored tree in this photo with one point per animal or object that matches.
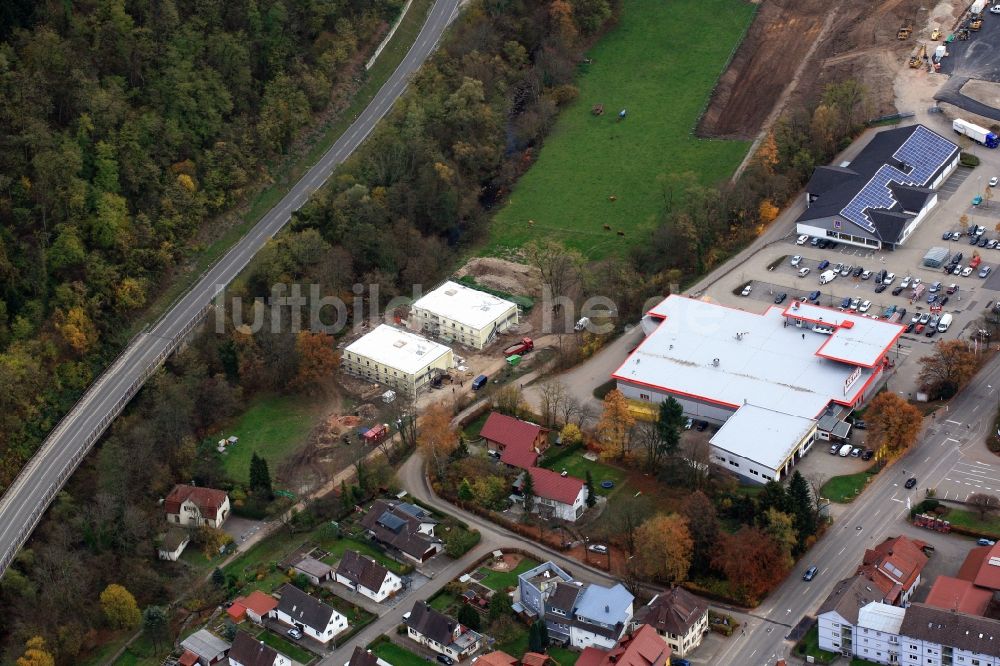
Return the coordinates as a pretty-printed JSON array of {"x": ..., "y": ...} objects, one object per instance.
[
  {"x": 318, "y": 362},
  {"x": 945, "y": 371},
  {"x": 752, "y": 562},
  {"x": 561, "y": 14},
  {"x": 570, "y": 434},
  {"x": 491, "y": 492},
  {"x": 767, "y": 211},
  {"x": 780, "y": 527},
  {"x": 436, "y": 439},
  {"x": 893, "y": 422},
  {"x": 703, "y": 525},
  {"x": 663, "y": 547},
  {"x": 767, "y": 153},
  {"x": 614, "y": 426},
  {"x": 212, "y": 539},
  {"x": 119, "y": 607},
  {"x": 77, "y": 329},
  {"x": 509, "y": 400},
  {"x": 36, "y": 654}
]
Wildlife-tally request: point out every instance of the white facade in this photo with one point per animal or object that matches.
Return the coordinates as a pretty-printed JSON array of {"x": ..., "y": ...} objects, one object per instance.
[
  {"x": 173, "y": 555},
  {"x": 397, "y": 358},
  {"x": 279, "y": 660},
  {"x": 337, "y": 624},
  {"x": 682, "y": 645},
  {"x": 454, "y": 650},
  {"x": 190, "y": 515},
  {"x": 391, "y": 584},
  {"x": 927, "y": 653},
  {"x": 567, "y": 512},
  {"x": 458, "y": 313}
]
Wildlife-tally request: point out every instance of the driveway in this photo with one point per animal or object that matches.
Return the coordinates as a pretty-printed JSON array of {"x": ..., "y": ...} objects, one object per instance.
[{"x": 242, "y": 529}]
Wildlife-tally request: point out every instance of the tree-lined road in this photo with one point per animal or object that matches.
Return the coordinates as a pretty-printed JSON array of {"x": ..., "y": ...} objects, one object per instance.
[
  {"x": 952, "y": 438},
  {"x": 26, "y": 500}
]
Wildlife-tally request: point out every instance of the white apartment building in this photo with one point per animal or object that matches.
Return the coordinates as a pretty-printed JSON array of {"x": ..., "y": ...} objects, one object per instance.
[
  {"x": 397, "y": 358},
  {"x": 454, "y": 312}
]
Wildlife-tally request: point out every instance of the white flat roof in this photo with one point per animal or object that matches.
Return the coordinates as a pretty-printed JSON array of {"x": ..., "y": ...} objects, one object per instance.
[
  {"x": 465, "y": 305},
  {"x": 881, "y": 617},
  {"x": 396, "y": 348},
  {"x": 857, "y": 340},
  {"x": 772, "y": 363},
  {"x": 762, "y": 435}
]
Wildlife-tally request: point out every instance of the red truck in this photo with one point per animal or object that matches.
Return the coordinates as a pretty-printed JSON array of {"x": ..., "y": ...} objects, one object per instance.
[
  {"x": 522, "y": 347},
  {"x": 377, "y": 433},
  {"x": 976, "y": 260}
]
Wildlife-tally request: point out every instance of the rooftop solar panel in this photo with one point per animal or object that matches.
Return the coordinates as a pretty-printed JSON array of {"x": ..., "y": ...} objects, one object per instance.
[{"x": 922, "y": 154}]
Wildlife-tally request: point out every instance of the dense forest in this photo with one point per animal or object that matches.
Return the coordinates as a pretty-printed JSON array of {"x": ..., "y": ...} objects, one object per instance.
[
  {"x": 126, "y": 126},
  {"x": 396, "y": 213}
]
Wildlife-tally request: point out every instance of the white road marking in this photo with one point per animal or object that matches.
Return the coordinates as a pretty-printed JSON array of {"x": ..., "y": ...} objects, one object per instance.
[{"x": 955, "y": 422}]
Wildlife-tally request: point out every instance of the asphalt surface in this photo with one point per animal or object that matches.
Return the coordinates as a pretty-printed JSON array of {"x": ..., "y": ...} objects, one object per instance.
[
  {"x": 950, "y": 443},
  {"x": 25, "y": 501},
  {"x": 976, "y": 58},
  {"x": 412, "y": 478}
]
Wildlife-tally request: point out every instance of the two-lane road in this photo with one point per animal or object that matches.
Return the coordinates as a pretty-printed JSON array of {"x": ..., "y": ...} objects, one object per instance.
[
  {"x": 26, "y": 500},
  {"x": 951, "y": 440}
]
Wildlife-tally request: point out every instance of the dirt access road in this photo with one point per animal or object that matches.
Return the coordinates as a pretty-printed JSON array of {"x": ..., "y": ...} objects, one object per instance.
[{"x": 795, "y": 47}]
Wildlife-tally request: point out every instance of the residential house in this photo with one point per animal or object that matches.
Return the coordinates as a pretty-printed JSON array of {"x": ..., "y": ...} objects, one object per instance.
[
  {"x": 678, "y": 617},
  {"x": 363, "y": 657},
  {"x": 405, "y": 528},
  {"x": 173, "y": 543},
  {"x": 559, "y": 611},
  {"x": 518, "y": 442},
  {"x": 600, "y": 616},
  {"x": 496, "y": 658},
  {"x": 193, "y": 506},
  {"x": 206, "y": 647},
  {"x": 248, "y": 651},
  {"x": 838, "y": 615},
  {"x": 441, "y": 633},
  {"x": 535, "y": 586},
  {"x": 365, "y": 575},
  {"x": 255, "y": 606},
  {"x": 895, "y": 566},
  {"x": 314, "y": 570},
  {"x": 311, "y": 616},
  {"x": 934, "y": 637},
  {"x": 641, "y": 647},
  {"x": 556, "y": 496}
]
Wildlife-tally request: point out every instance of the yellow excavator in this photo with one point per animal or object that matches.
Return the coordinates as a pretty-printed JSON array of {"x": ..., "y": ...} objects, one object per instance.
[
  {"x": 904, "y": 33},
  {"x": 917, "y": 59},
  {"x": 936, "y": 35}
]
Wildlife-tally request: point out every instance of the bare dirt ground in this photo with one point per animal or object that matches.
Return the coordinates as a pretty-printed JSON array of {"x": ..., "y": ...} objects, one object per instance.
[
  {"x": 986, "y": 92},
  {"x": 503, "y": 275},
  {"x": 795, "y": 47}
]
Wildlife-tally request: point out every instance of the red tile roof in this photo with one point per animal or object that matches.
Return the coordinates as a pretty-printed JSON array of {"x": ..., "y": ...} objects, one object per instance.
[
  {"x": 237, "y": 612},
  {"x": 959, "y": 595},
  {"x": 989, "y": 571},
  {"x": 208, "y": 500},
  {"x": 498, "y": 658},
  {"x": 894, "y": 566},
  {"x": 973, "y": 563},
  {"x": 551, "y": 485},
  {"x": 642, "y": 647},
  {"x": 188, "y": 658},
  {"x": 260, "y": 603},
  {"x": 534, "y": 659},
  {"x": 517, "y": 438}
]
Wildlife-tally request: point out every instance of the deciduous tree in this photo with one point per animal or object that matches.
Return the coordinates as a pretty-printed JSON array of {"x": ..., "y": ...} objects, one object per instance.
[
  {"x": 156, "y": 625},
  {"x": 983, "y": 504},
  {"x": 751, "y": 561},
  {"x": 119, "y": 607},
  {"x": 35, "y": 653},
  {"x": 703, "y": 526},
  {"x": 614, "y": 426},
  {"x": 212, "y": 539},
  {"x": 436, "y": 438},
  {"x": 948, "y": 369},
  {"x": 780, "y": 527},
  {"x": 893, "y": 422},
  {"x": 317, "y": 362},
  {"x": 663, "y": 547},
  {"x": 469, "y": 616}
]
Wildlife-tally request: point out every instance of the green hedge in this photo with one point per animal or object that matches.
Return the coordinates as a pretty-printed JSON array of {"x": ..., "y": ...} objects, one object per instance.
[{"x": 968, "y": 160}]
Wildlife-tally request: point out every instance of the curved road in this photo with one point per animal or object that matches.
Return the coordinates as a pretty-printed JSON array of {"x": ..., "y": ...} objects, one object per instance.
[{"x": 26, "y": 500}]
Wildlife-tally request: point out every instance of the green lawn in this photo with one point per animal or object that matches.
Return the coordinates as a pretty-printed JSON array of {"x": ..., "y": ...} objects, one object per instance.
[
  {"x": 337, "y": 547},
  {"x": 809, "y": 646},
  {"x": 578, "y": 466},
  {"x": 442, "y": 602},
  {"x": 562, "y": 656},
  {"x": 660, "y": 63},
  {"x": 516, "y": 647},
  {"x": 499, "y": 581},
  {"x": 398, "y": 656},
  {"x": 274, "y": 427},
  {"x": 286, "y": 648},
  {"x": 970, "y": 520},
  {"x": 844, "y": 488},
  {"x": 256, "y": 562}
]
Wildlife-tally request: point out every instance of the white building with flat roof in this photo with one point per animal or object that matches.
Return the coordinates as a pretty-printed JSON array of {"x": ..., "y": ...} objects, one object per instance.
[
  {"x": 454, "y": 312},
  {"x": 779, "y": 371},
  {"x": 397, "y": 358}
]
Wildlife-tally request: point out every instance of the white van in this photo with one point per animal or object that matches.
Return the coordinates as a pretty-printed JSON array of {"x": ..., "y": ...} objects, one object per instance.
[
  {"x": 845, "y": 450},
  {"x": 827, "y": 276},
  {"x": 944, "y": 323}
]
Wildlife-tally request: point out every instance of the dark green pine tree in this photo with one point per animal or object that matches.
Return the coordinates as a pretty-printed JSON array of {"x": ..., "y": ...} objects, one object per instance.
[
  {"x": 803, "y": 507},
  {"x": 591, "y": 492},
  {"x": 534, "y": 638},
  {"x": 260, "y": 477}
]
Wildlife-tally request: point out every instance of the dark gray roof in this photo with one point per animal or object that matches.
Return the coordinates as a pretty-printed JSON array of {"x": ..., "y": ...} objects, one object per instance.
[
  {"x": 951, "y": 628},
  {"x": 674, "y": 611},
  {"x": 362, "y": 657},
  {"x": 430, "y": 623},
  {"x": 398, "y": 528},
  {"x": 362, "y": 570},
  {"x": 849, "y": 596},
  {"x": 564, "y": 598},
  {"x": 303, "y": 608},
  {"x": 250, "y": 652},
  {"x": 173, "y": 539}
]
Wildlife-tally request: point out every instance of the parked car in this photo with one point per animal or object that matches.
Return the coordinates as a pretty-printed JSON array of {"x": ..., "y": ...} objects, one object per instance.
[
  {"x": 810, "y": 573},
  {"x": 479, "y": 382},
  {"x": 888, "y": 278},
  {"x": 834, "y": 448},
  {"x": 952, "y": 288},
  {"x": 804, "y": 271},
  {"x": 943, "y": 301},
  {"x": 823, "y": 265},
  {"x": 814, "y": 241},
  {"x": 746, "y": 290},
  {"x": 294, "y": 633},
  {"x": 858, "y": 270},
  {"x": 896, "y": 291},
  {"x": 597, "y": 548},
  {"x": 866, "y": 275},
  {"x": 865, "y": 305},
  {"x": 909, "y": 328},
  {"x": 814, "y": 296},
  {"x": 802, "y": 240},
  {"x": 936, "y": 287},
  {"x": 931, "y": 298},
  {"x": 780, "y": 298},
  {"x": 700, "y": 425},
  {"x": 796, "y": 260},
  {"x": 910, "y": 482},
  {"x": 984, "y": 271},
  {"x": 855, "y": 303},
  {"x": 916, "y": 318},
  {"x": 846, "y": 303},
  {"x": 957, "y": 258},
  {"x": 992, "y": 245},
  {"x": 445, "y": 659},
  {"x": 983, "y": 241},
  {"x": 984, "y": 541},
  {"x": 946, "y": 235},
  {"x": 880, "y": 288},
  {"x": 919, "y": 328},
  {"x": 867, "y": 455},
  {"x": 967, "y": 271},
  {"x": 906, "y": 282},
  {"x": 836, "y": 267},
  {"x": 860, "y": 425},
  {"x": 688, "y": 424},
  {"x": 993, "y": 180},
  {"x": 856, "y": 452},
  {"x": 846, "y": 270}
]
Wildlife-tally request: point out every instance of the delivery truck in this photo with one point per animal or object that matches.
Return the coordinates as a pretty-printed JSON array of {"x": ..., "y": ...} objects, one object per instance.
[
  {"x": 944, "y": 323},
  {"x": 975, "y": 132}
]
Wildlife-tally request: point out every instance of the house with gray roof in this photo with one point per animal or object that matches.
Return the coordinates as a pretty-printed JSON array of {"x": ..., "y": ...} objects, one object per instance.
[
  {"x": 600, "y": 616},
  {"x": 308, "y": 614},
  {"x": 403, "y": 528},
  {"x": 838, "y": 615},
  {"x": 248, "y": 651},
  {"x": 678, "y": 617},
  {"x": 205, "y": 647},
  {"x": 313, "y": 569},
  {"x": 441, "y": 633},
  {"x": 366, "y": 576}
]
